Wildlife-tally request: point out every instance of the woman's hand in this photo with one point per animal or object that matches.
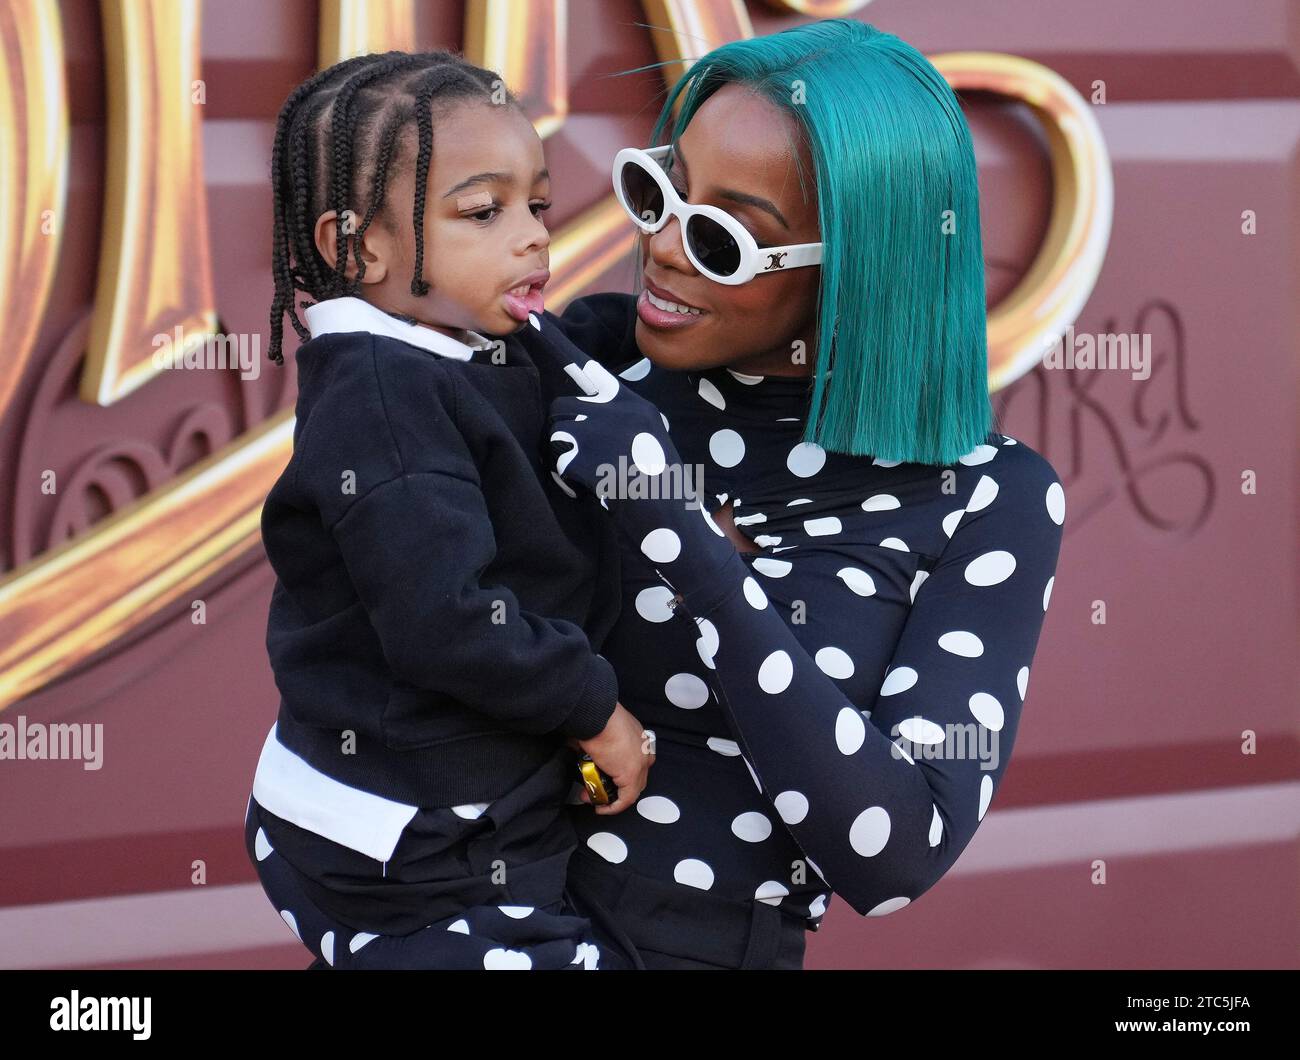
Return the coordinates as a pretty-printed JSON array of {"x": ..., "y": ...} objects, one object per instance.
[
  {"x": 608, "y": 424},
  {"x": 605, "y": 433},
  {"x": 599, "y": 444}
]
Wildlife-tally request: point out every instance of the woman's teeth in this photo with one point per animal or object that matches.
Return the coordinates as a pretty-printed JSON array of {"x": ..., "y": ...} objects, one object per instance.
[
  {"x": 522, "y": 289},
  {"x": 672, "y": 307}
]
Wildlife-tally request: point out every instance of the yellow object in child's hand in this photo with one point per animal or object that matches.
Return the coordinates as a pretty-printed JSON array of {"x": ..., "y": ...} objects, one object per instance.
[{"x": 599, "y": 785}]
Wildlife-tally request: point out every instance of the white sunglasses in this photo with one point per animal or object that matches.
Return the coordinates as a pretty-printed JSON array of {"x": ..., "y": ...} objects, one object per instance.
[{"x": 717, "y": 244}]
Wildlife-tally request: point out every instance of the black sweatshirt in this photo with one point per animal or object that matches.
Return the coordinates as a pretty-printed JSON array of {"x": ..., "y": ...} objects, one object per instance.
[{"x": 437, "y": 593}]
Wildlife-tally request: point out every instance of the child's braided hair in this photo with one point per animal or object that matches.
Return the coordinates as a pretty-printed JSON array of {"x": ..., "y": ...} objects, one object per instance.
[{"x": 336, "y": 134}]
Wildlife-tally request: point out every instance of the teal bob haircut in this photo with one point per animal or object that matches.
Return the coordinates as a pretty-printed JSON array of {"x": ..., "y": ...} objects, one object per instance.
[{"x": 900, "y": 310}]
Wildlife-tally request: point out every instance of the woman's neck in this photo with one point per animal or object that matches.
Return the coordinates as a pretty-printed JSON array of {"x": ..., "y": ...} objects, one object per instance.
[
  {"x": 776, "y": 362},
  {"x": 770, "y": 396}
]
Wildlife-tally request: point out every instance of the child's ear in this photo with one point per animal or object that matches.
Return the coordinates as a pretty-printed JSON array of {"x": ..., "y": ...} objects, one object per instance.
[{"x": 374, "y": 247}]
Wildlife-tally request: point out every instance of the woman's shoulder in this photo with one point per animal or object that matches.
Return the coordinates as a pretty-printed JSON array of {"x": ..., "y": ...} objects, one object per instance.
[
  {"x": 1019, "y": 478},
  {"x": 1011, "y": 456},
  {"x": 1000, "y": 464},
  {"x": 603, "y": 326}
]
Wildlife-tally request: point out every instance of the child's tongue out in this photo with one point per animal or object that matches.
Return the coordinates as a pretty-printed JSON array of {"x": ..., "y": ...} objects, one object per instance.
[{"x": 520, "y": 305}]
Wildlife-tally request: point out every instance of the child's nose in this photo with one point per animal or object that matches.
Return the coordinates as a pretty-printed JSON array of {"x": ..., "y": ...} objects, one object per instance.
[
  {"x": 535, "y": 236},
  {"x": 533, "y": 232}
]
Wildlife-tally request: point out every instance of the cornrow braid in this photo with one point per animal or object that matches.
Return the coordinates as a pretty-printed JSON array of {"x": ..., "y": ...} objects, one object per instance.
[
  {"x": 280, "y": 258},
  {"x": 343, "y": 116},
  {"x": 380, "y": 180},
  {"x": 338, "y": 132},
  {"x": 303, "y": 148}
]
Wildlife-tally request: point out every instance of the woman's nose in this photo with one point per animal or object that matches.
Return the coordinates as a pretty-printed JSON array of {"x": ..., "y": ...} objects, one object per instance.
[{"x": 666, "y": 248}]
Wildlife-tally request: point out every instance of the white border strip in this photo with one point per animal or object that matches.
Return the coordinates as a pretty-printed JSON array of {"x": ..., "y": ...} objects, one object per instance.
[
  {"x": 140, "y": 927},
  {"x": 1078, "y": 832}
]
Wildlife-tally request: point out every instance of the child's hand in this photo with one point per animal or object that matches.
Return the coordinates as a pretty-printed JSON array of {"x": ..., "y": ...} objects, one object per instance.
[{"x": 625, "y": 751}]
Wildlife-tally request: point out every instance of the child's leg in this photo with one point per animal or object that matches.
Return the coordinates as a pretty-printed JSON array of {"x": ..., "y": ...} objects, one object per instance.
[
  {"x": 473, "y": 887},
  {"x": 482, "y": 936}
]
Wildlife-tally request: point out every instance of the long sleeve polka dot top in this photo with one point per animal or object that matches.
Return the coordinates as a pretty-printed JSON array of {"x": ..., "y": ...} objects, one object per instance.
[{"x": 834, "y": 710}]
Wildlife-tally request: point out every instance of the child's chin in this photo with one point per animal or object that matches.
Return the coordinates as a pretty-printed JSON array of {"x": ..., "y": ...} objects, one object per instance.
[{"x": 501, "y": 324}]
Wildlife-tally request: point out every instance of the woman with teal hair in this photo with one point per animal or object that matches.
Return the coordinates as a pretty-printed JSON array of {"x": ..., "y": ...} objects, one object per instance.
[{"x": 832, "y": 655}]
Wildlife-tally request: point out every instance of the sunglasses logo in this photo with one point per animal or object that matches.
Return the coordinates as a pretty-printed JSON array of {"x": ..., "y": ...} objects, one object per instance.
[{"x": 774, "y": 262}]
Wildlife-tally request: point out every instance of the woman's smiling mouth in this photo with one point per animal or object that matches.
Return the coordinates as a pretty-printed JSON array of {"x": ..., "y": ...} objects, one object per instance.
[{"x": 660, "y": 309}]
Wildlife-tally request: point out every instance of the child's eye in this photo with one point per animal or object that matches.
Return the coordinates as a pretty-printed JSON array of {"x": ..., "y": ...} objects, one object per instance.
[{"x": 488, "y": 213}]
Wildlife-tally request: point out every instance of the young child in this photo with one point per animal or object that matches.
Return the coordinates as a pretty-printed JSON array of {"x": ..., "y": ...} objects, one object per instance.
[{"x": 439, "y": 593}]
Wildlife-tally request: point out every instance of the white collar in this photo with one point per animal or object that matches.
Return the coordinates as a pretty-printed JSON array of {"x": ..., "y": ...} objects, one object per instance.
[{"x": 350, "y": 313}]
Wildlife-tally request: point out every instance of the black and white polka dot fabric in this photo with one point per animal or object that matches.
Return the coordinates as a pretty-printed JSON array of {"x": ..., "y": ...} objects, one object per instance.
[{"x": 833, "y": 712}]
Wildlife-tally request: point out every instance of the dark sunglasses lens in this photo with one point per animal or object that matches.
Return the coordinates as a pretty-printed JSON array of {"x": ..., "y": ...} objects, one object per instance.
[
  {"x": 713, "y": 245},
  {"x": 642, "y": 193}
]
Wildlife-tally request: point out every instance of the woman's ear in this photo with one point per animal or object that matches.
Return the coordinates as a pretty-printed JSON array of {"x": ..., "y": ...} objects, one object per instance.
[{"x": 375, "y": 248}]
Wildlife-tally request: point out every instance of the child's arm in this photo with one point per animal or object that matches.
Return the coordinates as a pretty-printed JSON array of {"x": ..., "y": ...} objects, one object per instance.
[{"x": 414, "y": 547}]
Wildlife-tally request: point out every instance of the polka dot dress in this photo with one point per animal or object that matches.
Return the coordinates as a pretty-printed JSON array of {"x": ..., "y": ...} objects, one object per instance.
[{"x": 833, "y": 711}]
